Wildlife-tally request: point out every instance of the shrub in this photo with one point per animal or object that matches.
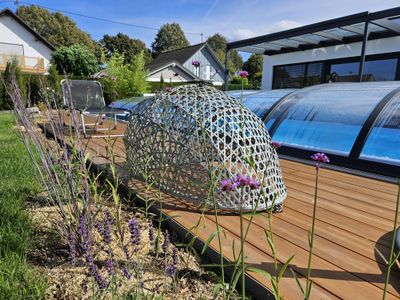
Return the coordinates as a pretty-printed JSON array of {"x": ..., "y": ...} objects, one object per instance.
[
  {"x": 124, "y": 80},
  {"x": 75, "y": 60},
  {"x": 238, "y": 80}
]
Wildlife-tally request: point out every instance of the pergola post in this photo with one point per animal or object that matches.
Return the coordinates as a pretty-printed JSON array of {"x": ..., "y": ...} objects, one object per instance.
[
  {"x": 363, "y": 47},
  {"x": 227, "y": 60}
]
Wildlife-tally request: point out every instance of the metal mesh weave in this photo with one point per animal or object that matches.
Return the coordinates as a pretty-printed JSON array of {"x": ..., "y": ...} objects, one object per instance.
[{"x": 182, "y": 138}]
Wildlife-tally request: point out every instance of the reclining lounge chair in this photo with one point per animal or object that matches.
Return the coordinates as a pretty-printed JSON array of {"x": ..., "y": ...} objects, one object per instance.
[{"x": 86, "y": 96}]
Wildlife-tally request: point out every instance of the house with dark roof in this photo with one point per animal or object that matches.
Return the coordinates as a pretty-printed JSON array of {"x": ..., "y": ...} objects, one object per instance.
[
  {"x": 18, "y": 39},
  {"x": 176, "y": 65}
]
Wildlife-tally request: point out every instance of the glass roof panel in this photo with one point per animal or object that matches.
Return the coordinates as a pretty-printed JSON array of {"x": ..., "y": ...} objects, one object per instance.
[
  {"x": 327, "y": 117},
  {"x": 383, "y": 143},
  {"x": 261, "y": 102},
  {"x": 237, "y": 93}
]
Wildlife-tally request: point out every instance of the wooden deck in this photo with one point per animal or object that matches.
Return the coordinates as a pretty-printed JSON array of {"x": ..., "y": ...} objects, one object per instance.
[{"x": 354, "y": 215}]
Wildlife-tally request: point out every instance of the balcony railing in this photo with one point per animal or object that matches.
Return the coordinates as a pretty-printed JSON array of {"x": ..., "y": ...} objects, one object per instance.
[{"x": 27, "y": 64}]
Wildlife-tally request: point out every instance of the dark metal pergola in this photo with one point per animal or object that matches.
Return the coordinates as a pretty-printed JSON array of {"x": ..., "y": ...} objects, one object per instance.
[{"x": 359, "y": 27}]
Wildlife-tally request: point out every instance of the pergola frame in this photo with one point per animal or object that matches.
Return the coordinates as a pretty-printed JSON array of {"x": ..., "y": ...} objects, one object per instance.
[{"x": 309, "y": 36}]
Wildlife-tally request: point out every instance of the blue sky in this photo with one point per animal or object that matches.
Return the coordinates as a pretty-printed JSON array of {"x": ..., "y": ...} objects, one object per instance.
[{"x": 236, "y": 19}]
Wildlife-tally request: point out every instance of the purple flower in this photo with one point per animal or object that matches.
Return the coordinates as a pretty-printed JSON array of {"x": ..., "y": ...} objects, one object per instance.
[
  {"x": 110, "y": 266},
  {"x": 276, "y": 145},
  {"x": 151, "y": 232},
  {"x": 243, "y": 74},
  {"x": 226, "y": 185},
  {"x": 166, "y": 243},
  {"x": 101, "y": 282},
  {"x": 109, "y": 217},
  {"x": 242, "y": 180},
  {"x": 170, "y": 270},
  {"x": 125, "y": 272},
  {"x": 320, "y": 158},
  {"x": 168, "y": 89},
  {"x": 73, "y": 251},
  {"x": 254, "y": 184},
  {"x": 135, "y": 233},
  {"x": 196, "y": 63}
]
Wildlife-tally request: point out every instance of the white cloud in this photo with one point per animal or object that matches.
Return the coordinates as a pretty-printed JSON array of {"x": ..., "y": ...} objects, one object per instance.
[
  {"x": 242, "y": 33},
  {"x": 281, "y": 25}
]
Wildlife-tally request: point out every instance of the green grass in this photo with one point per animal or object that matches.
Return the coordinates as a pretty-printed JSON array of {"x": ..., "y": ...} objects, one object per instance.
[{"x": 17, "y": 183}]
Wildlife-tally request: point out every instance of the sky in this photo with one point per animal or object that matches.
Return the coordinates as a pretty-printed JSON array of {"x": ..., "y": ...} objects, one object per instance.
[{"x": 236, "y": 19}]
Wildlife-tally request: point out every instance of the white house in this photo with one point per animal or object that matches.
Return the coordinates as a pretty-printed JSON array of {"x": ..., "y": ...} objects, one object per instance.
[
  {"x": 18, "y": 39},
  {"x": 176, "y": 65},
  {"x": 359, "y": 47}
]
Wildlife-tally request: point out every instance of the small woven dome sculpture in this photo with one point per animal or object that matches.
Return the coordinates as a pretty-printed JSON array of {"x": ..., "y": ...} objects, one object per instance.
[{"x": 192, "y": 136}]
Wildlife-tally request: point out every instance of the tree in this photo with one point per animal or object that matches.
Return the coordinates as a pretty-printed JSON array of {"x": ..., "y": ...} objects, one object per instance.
[
  {"x": 218, "y": 42},
  {"x": 169, "y": 37},
  {"x": 125, "y": 45},
  {"x": 75, "y": 60},
  {"x": 57, "y": 28},
  {"x": 253, "y": 65},
  {"x": 124, "y": 80}
]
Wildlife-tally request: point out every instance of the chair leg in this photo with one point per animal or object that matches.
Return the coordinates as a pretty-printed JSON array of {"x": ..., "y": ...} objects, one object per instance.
[{"x": 83, "y": 124}]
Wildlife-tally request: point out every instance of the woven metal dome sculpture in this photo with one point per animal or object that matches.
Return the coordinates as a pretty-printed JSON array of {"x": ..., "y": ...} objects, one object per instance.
[{"x": 187, "y": 139}]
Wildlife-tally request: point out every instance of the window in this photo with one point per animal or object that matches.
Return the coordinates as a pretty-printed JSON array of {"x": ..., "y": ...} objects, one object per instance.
[
  {"x": 345, "y": 72},
  {"x": 297, "y": 76},
  {"x": 314, "y": 73},
  {"x": 291, "y": 76},
  {"x": 380, "y": 70}
]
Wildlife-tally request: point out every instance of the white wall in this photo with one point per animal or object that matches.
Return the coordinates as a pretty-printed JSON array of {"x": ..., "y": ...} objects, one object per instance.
[
  {"x": 205, "y": 58},
  {"x": 341, "y": 51},
  {"x": 14, "y": 33}
]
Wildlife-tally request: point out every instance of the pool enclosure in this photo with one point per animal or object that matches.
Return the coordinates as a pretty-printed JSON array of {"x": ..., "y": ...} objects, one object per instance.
[{"x": 357, "y": 124}]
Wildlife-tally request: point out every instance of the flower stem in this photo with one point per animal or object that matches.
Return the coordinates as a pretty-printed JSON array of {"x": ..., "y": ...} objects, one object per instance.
[{"x": 311, "y": 238}]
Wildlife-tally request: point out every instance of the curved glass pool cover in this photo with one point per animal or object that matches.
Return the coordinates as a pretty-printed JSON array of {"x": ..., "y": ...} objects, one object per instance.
[{"x": 358, "y": 124}]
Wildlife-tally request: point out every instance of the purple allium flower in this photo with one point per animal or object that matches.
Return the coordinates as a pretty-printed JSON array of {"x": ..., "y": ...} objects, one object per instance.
[
  {"x": 166, "y": 243},
  {"x": 243, "y": 74},
  {"x": 276, "y": 145},
  {"x": 320, "y": 158},
  {"x": 151, "y": 232},
  {"x": 226, "y": 185},
  {"x": 135, "y": 233},
  {"x": 196, "y": 63},
  {"x": 125, "y": 272},
  {"x": 254, "y": 184}
]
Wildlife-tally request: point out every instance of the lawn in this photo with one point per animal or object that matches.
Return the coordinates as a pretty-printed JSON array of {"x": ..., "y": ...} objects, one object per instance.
[{"x": 17, "y": 184}]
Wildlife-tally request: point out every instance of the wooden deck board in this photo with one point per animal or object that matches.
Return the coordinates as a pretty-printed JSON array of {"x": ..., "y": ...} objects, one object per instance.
[{"x": 354, "y": 214}]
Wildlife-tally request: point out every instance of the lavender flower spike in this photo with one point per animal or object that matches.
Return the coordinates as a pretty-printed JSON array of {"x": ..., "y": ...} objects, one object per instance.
[
  {"x": 151, "y": 232},
  {"x": 166, "y": 243},
  {"x": 125, "y": 272},
  {"x": 135, "y": 233}
]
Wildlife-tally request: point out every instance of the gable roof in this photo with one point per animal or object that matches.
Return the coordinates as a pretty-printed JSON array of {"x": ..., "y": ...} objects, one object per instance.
[
  {"x": 7, "y": 12},
  {"x": 180, "y": 55},
  {"x": 175, "y": 64}
]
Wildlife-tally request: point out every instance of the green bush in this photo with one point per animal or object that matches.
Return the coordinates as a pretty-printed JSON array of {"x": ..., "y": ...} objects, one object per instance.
[
  {"x": 77, "y": 60},
  {"x": 238, "y": 80},
  {"x": 124, "y": 80}
]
